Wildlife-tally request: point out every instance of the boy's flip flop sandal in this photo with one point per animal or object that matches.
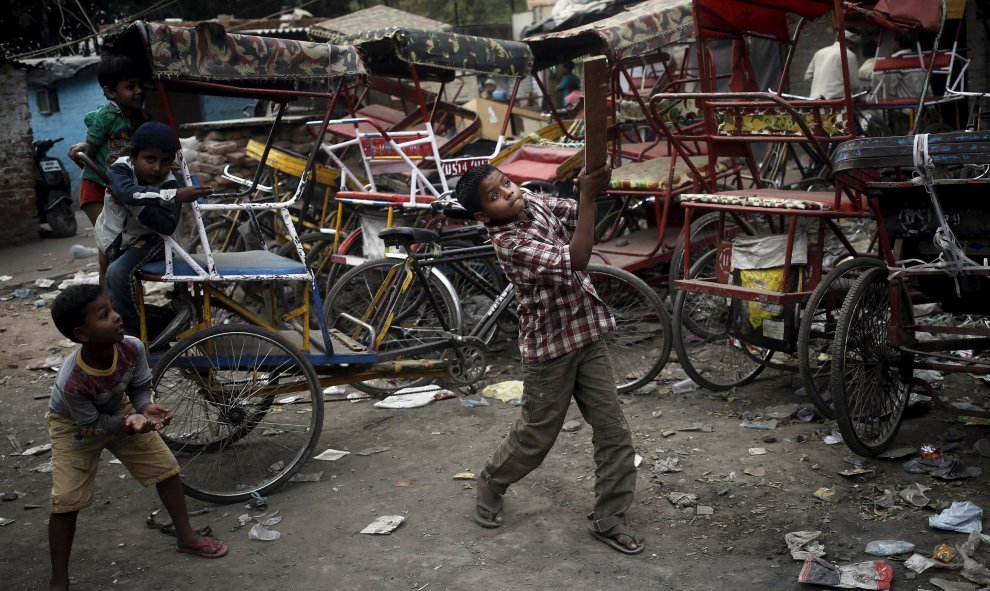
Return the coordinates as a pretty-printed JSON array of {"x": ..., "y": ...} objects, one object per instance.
[
  {"x": 495, "y": 509},
  {"x": 202, "y": 549},
  {"x": 610, "y": 538}
]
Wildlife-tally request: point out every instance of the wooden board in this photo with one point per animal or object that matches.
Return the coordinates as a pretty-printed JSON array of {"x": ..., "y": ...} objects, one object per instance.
[{"x": 595, "y": 112}]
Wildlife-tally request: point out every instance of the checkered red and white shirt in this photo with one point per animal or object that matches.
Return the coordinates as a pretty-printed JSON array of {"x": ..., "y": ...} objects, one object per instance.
[{"x": 559, "y": 310}]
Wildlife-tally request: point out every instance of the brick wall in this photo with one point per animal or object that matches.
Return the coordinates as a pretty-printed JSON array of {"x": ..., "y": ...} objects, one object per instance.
[{"x": 17, "y": 206}]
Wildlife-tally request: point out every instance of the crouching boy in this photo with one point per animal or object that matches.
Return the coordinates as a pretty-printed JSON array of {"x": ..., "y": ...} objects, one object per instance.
[{"x": 102, "y": 399}]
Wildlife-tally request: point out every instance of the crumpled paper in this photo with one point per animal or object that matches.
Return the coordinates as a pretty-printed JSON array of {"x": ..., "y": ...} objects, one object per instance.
[{"x": 802, "y": 544}]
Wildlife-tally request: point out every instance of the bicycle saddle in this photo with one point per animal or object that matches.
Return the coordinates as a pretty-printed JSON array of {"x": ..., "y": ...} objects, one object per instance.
[{"x": 406, "y": 237}]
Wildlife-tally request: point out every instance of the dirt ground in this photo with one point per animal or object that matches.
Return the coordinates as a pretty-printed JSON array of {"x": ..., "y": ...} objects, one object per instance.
[{"x": 544, "y": 544}]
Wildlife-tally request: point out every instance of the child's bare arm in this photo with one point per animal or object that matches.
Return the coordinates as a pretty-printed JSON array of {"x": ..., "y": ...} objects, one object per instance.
[
  {"x": 589, "y": 186},
  {"x": 85, "y": 147},
  {"x": 190, "y": 194}
]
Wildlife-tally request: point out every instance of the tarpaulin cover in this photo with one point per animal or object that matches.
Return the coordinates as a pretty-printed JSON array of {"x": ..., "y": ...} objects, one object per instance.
[
  {"x": 208, "y": 53},
  {"x": 635, "y": 31},
  {"x": 438, "y": 54},
  {"x": 765, "y": 17},
  {"x": 375, "y": 17},
  {"x": 908, "y": 15}
]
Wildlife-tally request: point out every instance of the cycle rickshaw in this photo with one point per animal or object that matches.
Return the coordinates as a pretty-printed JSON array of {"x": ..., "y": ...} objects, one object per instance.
[
  {"x": 246, "y": 384},
  {"x": 933, "y": 242}
]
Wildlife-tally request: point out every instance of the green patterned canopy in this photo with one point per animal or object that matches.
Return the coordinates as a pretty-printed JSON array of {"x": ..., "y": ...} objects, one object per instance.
[
  {"x": 208, "y": 53},
  {"x": 437, "y": 54},
  {"x": 636, "y": 31}
]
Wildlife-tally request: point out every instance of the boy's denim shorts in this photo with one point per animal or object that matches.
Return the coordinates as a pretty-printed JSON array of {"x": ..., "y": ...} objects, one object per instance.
[{"x": 76, "y": 456}]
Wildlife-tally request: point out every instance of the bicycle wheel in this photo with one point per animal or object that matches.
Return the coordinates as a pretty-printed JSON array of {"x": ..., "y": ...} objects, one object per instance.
[
  {"x": 870, "y": 379},
  {"x": 704, "y": 238},
  {"x": 423, "y": 314},
  {"x": 816, "y": 332},
  {"x": 247, "y": 411},
  {"x": 706, "y": 349},
  {"x": 221, "y": 236},
  {"x": 477, "y": 282},
  {"x": 640, "y": 345}
]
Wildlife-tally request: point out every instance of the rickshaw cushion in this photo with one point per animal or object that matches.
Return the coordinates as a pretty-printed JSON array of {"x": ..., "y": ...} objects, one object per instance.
[
  {"x": 251, "y": 262},
  {"x": 385, "y": 117},
  {"x": 652, "y": 175},
  {"x": 773, "y": 199},
  {"x": 522, "y": 170}
]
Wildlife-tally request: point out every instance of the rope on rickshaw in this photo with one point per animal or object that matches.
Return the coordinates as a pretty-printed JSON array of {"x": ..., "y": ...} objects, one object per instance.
[{"x": 952, "y": 257}]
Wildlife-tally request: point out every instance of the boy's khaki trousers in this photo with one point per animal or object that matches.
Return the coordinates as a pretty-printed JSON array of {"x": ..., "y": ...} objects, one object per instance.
[{"x": 587, "y": 375}]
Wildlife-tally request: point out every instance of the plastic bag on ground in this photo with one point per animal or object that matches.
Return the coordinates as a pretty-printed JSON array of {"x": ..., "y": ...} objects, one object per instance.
[
  {"x": 504, "y": 391},
  {"x": 889, "y": 547},
  {"x": 873, "y": 574},
  {"x": 410, "y": 398},
  {"x": 961, "y": 516}
]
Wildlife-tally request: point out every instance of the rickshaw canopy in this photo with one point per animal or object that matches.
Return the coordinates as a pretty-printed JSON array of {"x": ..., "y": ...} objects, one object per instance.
[
  {"x": 374, "y": 17},
  {"x": 437, "y": 55},
  {"x": 636, "y": 31},
  {"x": 732, "y": 18},
  {"x": 207, "y": 53}
]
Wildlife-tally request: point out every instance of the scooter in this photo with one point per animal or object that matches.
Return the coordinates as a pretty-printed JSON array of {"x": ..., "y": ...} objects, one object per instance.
[{"x": 53, "y": 190}]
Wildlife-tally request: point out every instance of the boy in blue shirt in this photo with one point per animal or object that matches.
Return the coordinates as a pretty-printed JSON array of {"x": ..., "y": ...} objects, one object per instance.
[{"x": 144, "y": 203}]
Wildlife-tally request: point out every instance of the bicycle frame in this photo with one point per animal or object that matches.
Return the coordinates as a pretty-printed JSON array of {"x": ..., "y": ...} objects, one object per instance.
[{"x": 419, "y": 266}]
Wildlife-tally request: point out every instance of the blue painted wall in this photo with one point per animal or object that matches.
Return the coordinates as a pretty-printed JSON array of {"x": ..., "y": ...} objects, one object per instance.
[
  {"x": 76, "y": 97},
  {"x": 82, "y": 94},
  {"x": 219, "y": 108}
]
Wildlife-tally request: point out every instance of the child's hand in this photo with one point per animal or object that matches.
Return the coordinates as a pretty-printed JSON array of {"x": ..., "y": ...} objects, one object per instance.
[
  {"x": 190, "y": 194},
  {"x": 157, "y": 415},
  {"x": 593, "y": 184},
  {"x": 76, "y": 148},
  {"x": 137, "y": 423}
]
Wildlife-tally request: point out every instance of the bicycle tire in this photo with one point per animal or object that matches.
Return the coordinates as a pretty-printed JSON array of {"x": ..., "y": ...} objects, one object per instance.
[
  {"x": 414, "y": 320},
  {"x": 640, "y": 345},
  {"x": 870, "y": 379},
  {"x": 229, "y": 432},
  {"x": 816, "y": 332}
]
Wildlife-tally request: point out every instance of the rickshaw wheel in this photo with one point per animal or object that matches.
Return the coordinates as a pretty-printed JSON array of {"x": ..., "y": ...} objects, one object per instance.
[
  {"x": 247, "y": 410},
  {"x": 817, "y": 330},
  {"x": 415, "y": 321},
  {"x": 640, "y": 345},
  {"x": 706, "y": 350},
  {"x": 870, "y": 378}
]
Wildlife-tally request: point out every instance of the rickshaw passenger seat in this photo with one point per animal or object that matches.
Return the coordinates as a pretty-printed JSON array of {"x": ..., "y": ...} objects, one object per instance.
[{"x": 253, "y": 262}]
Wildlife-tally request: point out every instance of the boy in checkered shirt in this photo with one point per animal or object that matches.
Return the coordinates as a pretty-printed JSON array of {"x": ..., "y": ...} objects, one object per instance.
[{"x": 544, "y": 244}]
